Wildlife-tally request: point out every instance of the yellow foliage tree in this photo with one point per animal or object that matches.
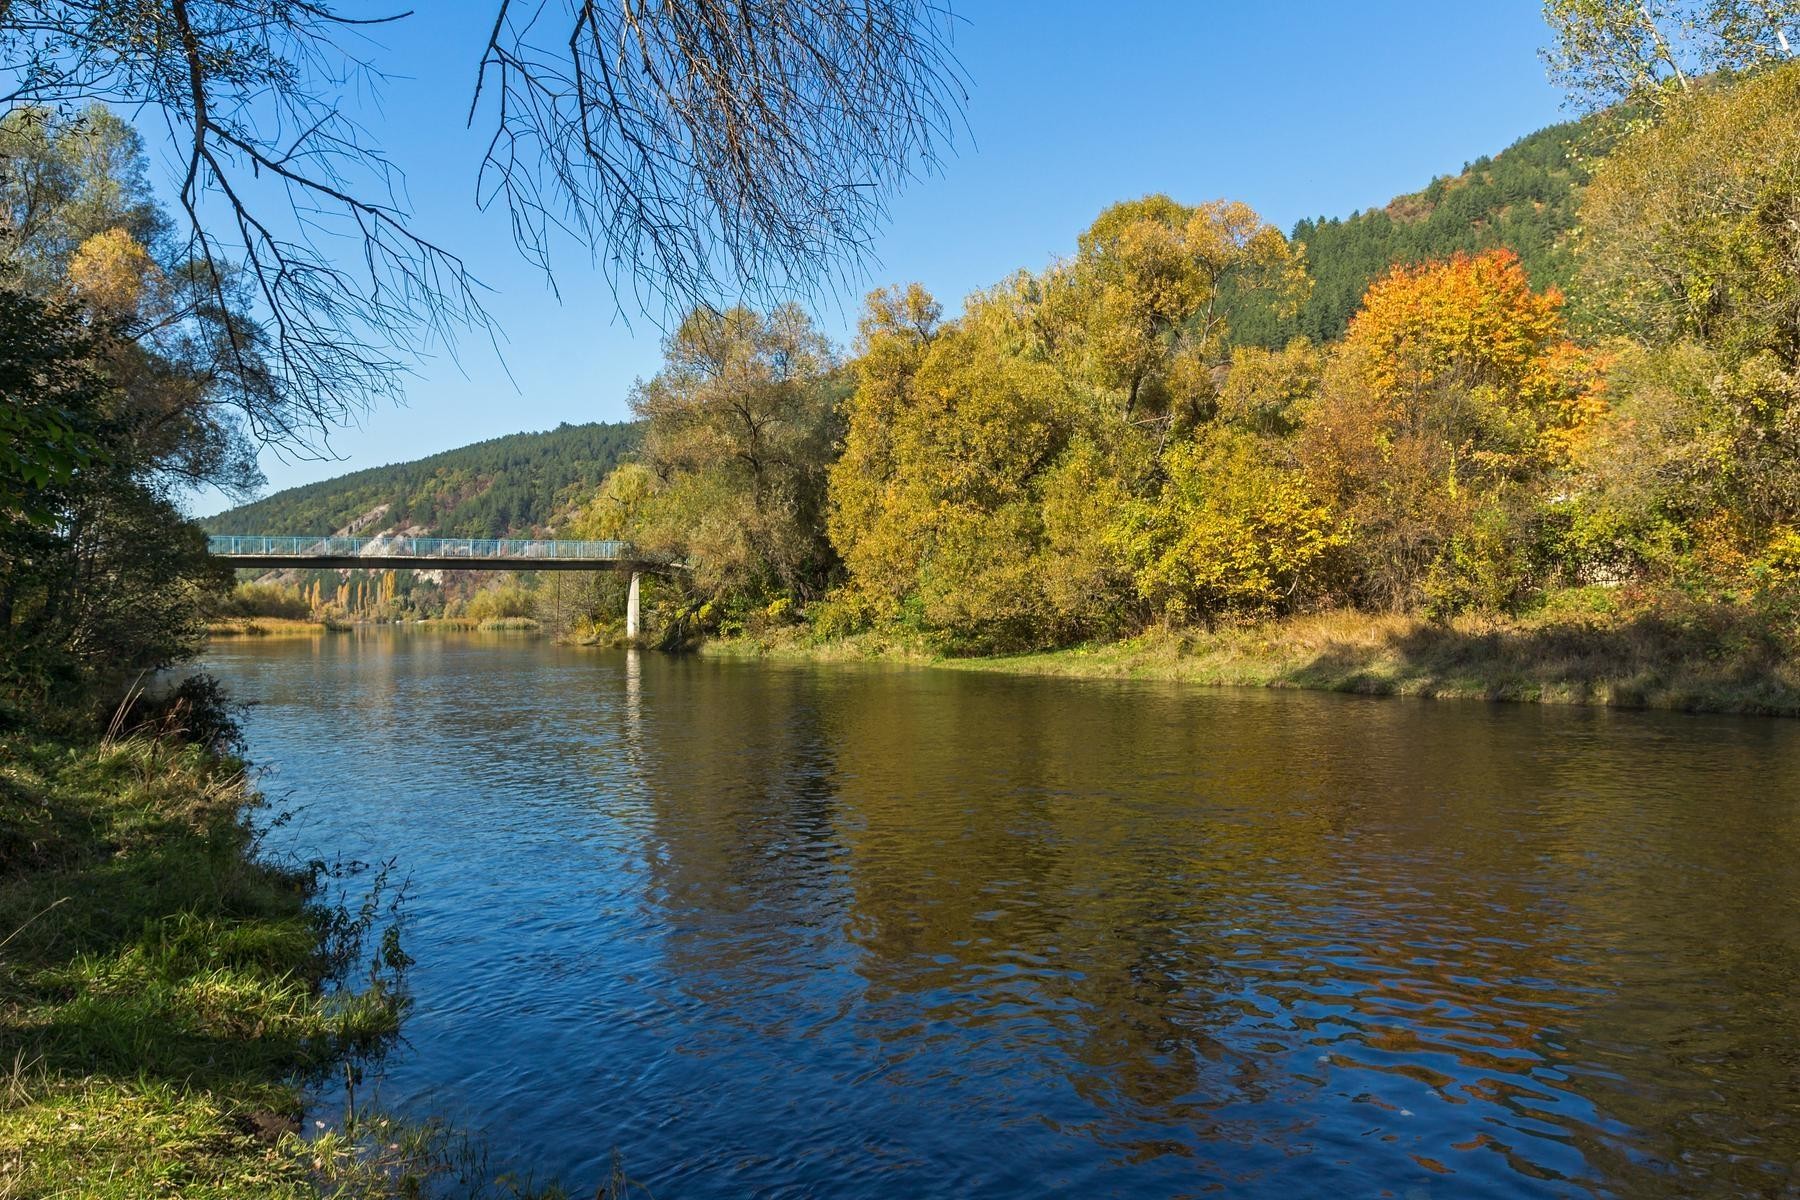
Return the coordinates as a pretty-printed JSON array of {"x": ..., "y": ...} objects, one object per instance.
[
  {"x": 110, "y": 272},
  {"x": 1231, "y": 529},
  {"x": 1145, "y": 294},
  {"x": 939, "y": 496}
]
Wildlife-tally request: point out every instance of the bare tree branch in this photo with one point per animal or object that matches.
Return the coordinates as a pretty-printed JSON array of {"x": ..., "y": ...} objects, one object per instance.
[
  {"x": 702, "y": 149},
  {"x": 713, "y": 148}
]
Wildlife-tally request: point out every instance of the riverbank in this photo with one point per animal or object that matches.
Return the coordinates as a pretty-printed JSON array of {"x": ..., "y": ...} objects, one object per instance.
[
  {"x": 269, "y": 627},
  {"x": 232, "y": 627},
  {"x": 165, "y": 994},
  {"x": 1699, "y": 658}
]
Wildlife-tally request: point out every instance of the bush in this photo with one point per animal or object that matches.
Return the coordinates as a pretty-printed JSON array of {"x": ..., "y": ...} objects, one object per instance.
[
  {"x": 267, "y": 600},
  {"x": 843, "y": 613},
  {"x": 1775, "y": 573},
  {"x": 508, "y": 601},
  {"x": 197, "y": 711},
  {"x": 1231, "y": 531}
]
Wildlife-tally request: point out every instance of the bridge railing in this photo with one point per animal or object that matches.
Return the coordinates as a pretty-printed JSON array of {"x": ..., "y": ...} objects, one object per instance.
[{"x": 237, "y": 545}]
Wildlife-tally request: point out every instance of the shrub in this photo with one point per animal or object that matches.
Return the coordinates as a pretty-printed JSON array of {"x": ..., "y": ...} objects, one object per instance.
[
  {"x": 267, "y": 600},
  {"x": 1230, "y": 531},
  {"x": 842, "y": 613},
  {"x": 508, "y": 601}
]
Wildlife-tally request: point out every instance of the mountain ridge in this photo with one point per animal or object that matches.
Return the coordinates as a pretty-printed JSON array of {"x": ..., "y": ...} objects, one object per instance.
[
  {"x": 513, "y": 484},
  {"x": 1523, "y": 199}
]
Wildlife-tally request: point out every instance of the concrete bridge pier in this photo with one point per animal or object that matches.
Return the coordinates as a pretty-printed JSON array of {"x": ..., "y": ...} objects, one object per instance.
[{"x": 631, "y": 610}]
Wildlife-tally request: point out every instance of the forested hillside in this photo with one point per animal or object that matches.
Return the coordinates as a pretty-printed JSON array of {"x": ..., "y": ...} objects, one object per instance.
[
  {"x": 1522, "y": 199},
  {"x": 508, "y": 485}
]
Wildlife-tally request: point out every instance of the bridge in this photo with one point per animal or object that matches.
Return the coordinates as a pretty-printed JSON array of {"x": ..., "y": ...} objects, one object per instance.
[{"x": 394, "y": 552}]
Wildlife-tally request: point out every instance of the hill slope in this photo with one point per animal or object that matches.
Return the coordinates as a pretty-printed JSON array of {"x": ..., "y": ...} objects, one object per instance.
[
  {"x": 1523, "y": 198},
  {"x": 508, "y": 485}
]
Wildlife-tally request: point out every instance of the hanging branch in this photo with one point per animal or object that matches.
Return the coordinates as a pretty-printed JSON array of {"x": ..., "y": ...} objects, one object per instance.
[
  {"x": 700, "y": 148},
  {"x": 712, "y": 147}
]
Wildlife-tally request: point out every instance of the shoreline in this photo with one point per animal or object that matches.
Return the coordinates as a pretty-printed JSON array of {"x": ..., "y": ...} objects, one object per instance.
[
  {"x": 1700, "y": 658},
  {"x": 278, "y": 627},
  {"x": 169, "y": 996},
  {"x": 1706, "y": 661}
]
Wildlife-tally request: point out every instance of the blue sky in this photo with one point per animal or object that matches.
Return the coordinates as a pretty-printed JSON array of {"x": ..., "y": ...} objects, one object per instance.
[{"x": 1300, "y": 109}]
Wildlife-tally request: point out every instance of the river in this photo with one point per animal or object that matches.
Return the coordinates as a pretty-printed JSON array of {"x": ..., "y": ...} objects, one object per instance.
[{"x": 835, "y": 931}]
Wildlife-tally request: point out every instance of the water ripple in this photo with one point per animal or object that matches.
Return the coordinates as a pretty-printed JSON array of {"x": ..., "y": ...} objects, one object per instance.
[{"x": 796, "y": 932}]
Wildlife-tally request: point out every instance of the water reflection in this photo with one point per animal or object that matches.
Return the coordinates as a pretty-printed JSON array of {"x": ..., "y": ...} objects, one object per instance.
[{"x": 784, "y": 931}]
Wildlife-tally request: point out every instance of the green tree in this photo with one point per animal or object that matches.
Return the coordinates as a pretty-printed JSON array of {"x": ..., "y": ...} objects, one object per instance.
[
  {"x": 48, "y": 385},
  {"x": 740, "y": 427},
  {"x": 103, "y": 578},
  {"x": 1655, "y": 50}
]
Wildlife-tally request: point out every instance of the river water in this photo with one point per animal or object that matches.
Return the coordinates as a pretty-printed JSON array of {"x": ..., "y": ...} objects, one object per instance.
[{"x": 835, "y": 931}]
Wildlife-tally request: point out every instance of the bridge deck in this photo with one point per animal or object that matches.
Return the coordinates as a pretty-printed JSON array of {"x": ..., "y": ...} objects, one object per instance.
[{"x": 430, "y": 554}]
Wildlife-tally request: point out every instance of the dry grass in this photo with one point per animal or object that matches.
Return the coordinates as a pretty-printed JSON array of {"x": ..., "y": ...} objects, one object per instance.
[
  {"x": 265, "y": 627},
  {"x": 1692, "y": 658}
]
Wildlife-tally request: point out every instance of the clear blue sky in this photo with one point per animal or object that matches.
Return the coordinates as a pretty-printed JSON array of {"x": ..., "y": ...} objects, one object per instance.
[{"x": 1300, "y": 109}]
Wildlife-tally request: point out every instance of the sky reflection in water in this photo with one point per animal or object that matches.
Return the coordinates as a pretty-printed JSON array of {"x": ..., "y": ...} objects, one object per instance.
[{"x": 791, "y": 931}]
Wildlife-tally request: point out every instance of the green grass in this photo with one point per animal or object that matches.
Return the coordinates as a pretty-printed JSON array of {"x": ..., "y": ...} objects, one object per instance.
[
  {"x": 165, "y": 995},
  {"x": 1581, "y": 649}
]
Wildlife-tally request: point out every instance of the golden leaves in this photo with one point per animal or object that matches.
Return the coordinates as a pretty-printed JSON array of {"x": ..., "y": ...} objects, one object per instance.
[{"x": 111, "y": 272}]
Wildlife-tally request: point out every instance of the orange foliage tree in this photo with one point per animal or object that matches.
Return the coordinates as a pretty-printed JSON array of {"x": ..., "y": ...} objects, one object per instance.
[
  {"x": 1467, "y": 343},
  {"x": 1456, "y": 397}
]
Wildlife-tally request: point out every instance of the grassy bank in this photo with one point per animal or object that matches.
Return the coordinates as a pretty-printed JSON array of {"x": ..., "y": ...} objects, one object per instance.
[
  {"x": 1699, "y": 658},
  {"x": 266, "y": 627},
  {"x": 257, "y": 627},
  {"x": 164, "y": 994}
]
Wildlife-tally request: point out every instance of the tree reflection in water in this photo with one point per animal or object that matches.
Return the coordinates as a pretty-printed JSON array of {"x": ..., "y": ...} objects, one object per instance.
[{"x": 845, "y": 931}]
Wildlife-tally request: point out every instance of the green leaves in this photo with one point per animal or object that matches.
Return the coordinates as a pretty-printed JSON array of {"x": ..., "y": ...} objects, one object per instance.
[
  {"x": 1657, "y": 51},
  {"x": 48, "y": 414},
  {"x": 1692, "y": 227}
]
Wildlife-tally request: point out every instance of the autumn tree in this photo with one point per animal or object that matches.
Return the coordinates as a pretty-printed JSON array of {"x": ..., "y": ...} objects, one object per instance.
[
  {"x": 868, "y": 488},
  {"x": 1690, "y": 255},
  {"x": 615, "y": 511},
  {"x": 740, "y": 429},
  {"x": 1266, "y": 392},
  {"x": 83, "y": 229},
  {"x": 1140, "y": 311},
  {"x": 988, "y": 461},
  {"x": 953, "y": 434},
  {"x": 1457, "y": 390},
  {"x": 1656, "y": 50},
  {"x": 1691, "y": 228},
  {"x": 116, "y": 401},
  {"x": 1233, "y": 528}
]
